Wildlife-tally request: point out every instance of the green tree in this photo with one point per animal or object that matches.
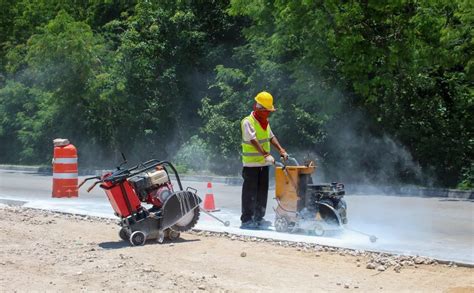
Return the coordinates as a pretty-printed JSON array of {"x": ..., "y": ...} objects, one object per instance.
[
  {"x": 405, "y": 64},
  {"x": 163, "y": 60},
  {"x": 359, "y": 82},
  {"x": 20, "y": 130},
  {"x": 60, "y": 61}
]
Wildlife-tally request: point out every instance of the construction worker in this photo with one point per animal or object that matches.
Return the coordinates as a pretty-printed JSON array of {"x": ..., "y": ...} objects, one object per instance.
[{"x": 256, "y": 158}]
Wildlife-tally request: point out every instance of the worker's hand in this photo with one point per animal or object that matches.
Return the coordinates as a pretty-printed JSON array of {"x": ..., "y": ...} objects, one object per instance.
[
  {"x": 283, "y": 154},
  {"x": 270, "y": 159}
]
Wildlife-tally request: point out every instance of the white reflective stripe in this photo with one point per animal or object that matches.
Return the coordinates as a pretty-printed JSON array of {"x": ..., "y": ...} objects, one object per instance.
[
  {"x": 65, "y": 160},
  {"x": 64, "y": 175}
]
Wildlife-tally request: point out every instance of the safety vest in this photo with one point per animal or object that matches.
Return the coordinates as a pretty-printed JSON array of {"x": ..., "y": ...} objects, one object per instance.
[{"x": 249, "y": 152}]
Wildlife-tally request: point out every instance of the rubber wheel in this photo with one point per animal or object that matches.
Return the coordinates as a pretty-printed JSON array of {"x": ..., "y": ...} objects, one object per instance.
[
  {"x": 188, "y": 221},
  {"x": 281, "y": 224},
  {"x": 123, "y": 234},
  {"x": 318, "y": 230},
  {"x": 173, "y": 235},
  {"x": 137, "y": 238}
]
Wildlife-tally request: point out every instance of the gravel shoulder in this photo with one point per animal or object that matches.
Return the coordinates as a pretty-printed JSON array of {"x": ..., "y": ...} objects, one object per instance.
[{"x": 46, "y": 251}]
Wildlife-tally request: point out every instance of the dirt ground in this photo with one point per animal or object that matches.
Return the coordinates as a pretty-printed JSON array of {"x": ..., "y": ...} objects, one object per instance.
[{"x": 43, "y": 251}]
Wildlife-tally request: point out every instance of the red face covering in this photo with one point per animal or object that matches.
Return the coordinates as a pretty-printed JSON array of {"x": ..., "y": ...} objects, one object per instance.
[{"x": 262, "y": 116}]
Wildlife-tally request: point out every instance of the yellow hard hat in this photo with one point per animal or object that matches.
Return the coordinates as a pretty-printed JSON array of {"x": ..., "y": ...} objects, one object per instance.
[{"x": 266, "y": 100}]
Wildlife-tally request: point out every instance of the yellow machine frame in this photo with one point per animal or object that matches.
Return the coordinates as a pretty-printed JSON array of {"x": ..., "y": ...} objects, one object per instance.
[{"x": 286, "y": 186}]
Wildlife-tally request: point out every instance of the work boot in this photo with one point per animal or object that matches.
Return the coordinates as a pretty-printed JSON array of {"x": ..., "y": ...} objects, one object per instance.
[
  {"x": 263, "y": 224},
  {"x": 248, "y": 225}
]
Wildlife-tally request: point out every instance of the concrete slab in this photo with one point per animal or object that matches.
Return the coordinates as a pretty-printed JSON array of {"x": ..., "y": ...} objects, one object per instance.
[{"x": 433, "y": 227}]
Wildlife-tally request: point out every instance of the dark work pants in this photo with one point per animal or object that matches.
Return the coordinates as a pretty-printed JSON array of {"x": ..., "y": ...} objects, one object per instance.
[{"x": 254, "y": 193}]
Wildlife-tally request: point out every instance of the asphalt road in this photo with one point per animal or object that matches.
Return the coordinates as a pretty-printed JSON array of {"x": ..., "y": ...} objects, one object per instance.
[{"x": 436, "y": 227}]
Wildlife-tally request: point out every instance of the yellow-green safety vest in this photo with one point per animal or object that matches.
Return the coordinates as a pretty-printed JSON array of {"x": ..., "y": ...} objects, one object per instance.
[{"x": 249, "y": 152}]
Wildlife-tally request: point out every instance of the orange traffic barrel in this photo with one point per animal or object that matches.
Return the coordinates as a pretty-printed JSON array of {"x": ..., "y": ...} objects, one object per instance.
[{"x": 65, "y": 179}]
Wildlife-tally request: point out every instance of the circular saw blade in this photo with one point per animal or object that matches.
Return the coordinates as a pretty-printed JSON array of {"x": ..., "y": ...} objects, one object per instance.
[{"x": 188, "y": 221}]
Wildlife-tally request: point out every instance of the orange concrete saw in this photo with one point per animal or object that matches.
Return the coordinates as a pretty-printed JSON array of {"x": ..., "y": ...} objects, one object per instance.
[
  {"x": 304, "y": 206},
  {"x": 308, "y": 207}
]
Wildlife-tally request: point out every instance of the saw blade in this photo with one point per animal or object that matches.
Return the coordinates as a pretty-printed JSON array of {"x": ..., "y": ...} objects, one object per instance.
[{"x": 188, "y": 221}]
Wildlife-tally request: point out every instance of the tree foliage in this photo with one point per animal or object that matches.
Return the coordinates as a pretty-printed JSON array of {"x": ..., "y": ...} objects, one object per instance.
[
  {"x": 359, "y": 84},
  {"x": 405, "y": 65}
]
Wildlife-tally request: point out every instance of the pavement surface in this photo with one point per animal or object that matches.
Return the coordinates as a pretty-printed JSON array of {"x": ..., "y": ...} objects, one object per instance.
[
  {"x": 440, "y": 228},
  {"x": 46, "y": 251}
]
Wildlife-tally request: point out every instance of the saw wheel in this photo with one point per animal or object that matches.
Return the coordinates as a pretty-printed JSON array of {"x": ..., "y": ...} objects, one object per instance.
[
  {"x": 188, "y": 221},
  {"x": 281, "y": 224},
  {"x": 123, "y": 234}
]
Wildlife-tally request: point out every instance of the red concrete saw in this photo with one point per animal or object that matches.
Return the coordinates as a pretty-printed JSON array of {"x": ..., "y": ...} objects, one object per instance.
[{"x": 172, "y": 211}]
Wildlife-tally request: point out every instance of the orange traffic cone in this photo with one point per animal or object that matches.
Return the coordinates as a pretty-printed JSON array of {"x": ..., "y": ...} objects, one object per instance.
[{"x": 209, "y": 205}]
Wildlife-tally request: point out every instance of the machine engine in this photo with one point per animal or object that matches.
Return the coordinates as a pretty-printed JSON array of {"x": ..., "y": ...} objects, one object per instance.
[
  {"x": 319, "y": 196},
  {"x": 152, "y": 187}
]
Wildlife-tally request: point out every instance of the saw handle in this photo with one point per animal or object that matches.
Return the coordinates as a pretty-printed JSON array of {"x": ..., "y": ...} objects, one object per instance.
[
  {"x": 284, "y": 162},
  {"x": 285, "y": 171},
  {"x": 87, "y": 179},
  {"x": 279, "y": 164},
  {"x": 93, "y": 185}
]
